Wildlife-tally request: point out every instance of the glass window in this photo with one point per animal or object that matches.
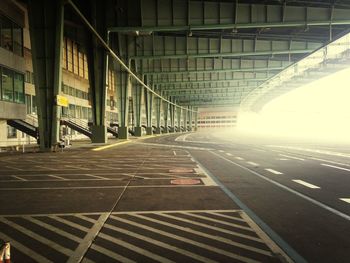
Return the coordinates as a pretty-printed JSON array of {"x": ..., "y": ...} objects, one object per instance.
[
  {"x": 34, "y": 105},
  {"x": 86, "y": 72},
  {"x": 75, "y": 59},
  {"x": 6, "y": 33},
  {"x": 19, "y": 88},
  {"x": 28, "y": 104},
  {"x": 81, "y": 64},
  {"x": 17, "y": 40},
  {"x": 64, "y": 54},
  {"x": 7, "y": 84},
  {"x": 11, "y": 132},
  {"x": 70, "y": 55}
]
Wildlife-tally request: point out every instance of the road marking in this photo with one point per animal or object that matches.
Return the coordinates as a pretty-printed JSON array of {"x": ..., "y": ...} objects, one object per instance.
[
  {"x": 25, "y": 250},
  {"x": 88, "y": 239},
  {"x": 57, "y": 177},
  {"x": 174, "y": 153},
  {"x": 306, "y": 184},
  {"x": 153, "y": 241},
  {"x": 328, "y": 161},
  {"x": 15, "y": 168},
  {"x": 221, "y": 151},
  {"x": 345, "y": 200},
  {"x": 292, "y": 157},
  {"x": 110, "y": 146},
  {"x": 211, "y": 227},
  {"x": 19, "y": 178},
  {"x": 229, "y": 154},
  {"x": 182, "y": 239},
  {"x": 252, "y": 163},
  {"x": 37, "y": 237},
  {"x": 99, "y": 177},
  {"x": 326, "y": 207},
  {"x": 273, "y": 171},
  {"x": 239, "y": 158},
  {"x": 336, "y": 167},
  {"x": 282, "y": 159},
  {"x": 110, "y": 254}
]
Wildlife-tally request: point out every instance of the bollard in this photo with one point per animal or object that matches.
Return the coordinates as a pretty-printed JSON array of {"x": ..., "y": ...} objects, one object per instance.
[{"x": 5, "y": 253}]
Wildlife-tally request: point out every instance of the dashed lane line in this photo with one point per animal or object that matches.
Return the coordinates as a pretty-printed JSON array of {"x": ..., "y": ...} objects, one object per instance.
[
  {"x": 328, "y": 161},
  {"x": 229, "y": 154},
  {"x": 315, "y": 202},
  {"x": 345, "y": 200},
  {"x": 292, "y": 157},
  {"x": 336, "y": 167},
  {"x": 252, "y": 163},
  {"x": 239, "y": 158},
  {"x": 312, "y": 186},
  {"x": 273, "y": 171}
]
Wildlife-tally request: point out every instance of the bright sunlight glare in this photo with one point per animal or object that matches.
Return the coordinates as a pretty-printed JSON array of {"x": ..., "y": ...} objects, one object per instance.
[{"x": 319, "y": 110}]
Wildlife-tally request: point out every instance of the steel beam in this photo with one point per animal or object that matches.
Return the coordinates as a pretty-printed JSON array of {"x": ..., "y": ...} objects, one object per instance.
[
  {"x": 160, "y": 84},
  {"x": 223, "y": 55}
]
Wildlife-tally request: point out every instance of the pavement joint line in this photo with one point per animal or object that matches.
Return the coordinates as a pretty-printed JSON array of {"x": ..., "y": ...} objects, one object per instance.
[
  {"x": 273, "y": 171},
  {"x": 285, "y": 247},
  {"x": 336, "y": 167},
  {"x": 312, "y": 186}
]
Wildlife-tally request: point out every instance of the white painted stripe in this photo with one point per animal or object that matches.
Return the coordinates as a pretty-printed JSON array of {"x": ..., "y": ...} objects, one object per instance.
[
  {"x": 306, "y": 184},
  {"x": 69, "y": 223},
  {"x": 174, "y": 153},
  {"x": 218, "y": 221},
  {"x": 292, "y": 157},
  {"x": 57, "y": 177},
  {"x": 229, "y": 154},
  {"x": 25, "y": 250},
  {"x": 19, "y": 178},
  {"x": 239, "y": 158},
  {"x": 132, "y": 247},
  {"x": 15, "y": 168},
  {"x": 190, "y": 241},
  {"x": 336, "y": 167},
  {"x": 88, "y": 239},
  {"x": 282, "y": 159},
  {"x": 252, "y": 163},
  {"x": 53, "y": 229},
  {"x": 273, "y": 171},
  {"x": 46, "y": 168},
  {"x": 156, "y": 242},
  {"x": 110, "y": 254},
  {"x": 226, "y": 216},
  {"x": 189, "y": 230},
  {"x": 210, "y": 227},
  {"x": 98, "y": 177},
  {"x": 37, "y": 237},
  {"x": 328, "y": 161},
  {"x": 345, "y": 200}
]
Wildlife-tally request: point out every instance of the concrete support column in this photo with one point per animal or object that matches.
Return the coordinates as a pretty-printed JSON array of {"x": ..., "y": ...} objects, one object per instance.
[
  {"x": 158, "y": 114},
  {"x": 185, "y": 114},
  {"x": 165, "y": 115},
  {"x": 172, "y": 116},
  {"x": 190, "y": 118},
  {"x": 137, "y": 101},
  {"x": 148, "y": 105},
  {"x": 46, "y": 36},
  {"x": 196, "y": 119},
  {"x": 179, "y": 111},
  {"x": 123, "y": 91},
  {"x": 98, "y": 70}
]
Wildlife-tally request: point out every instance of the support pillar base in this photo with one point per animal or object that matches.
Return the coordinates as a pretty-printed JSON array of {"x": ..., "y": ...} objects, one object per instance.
[
  {"x": 149, "y": 130},
  {"x": 158, "y": 130},
  {"x": 138, "y": 131},
  {"x": 123, "y": 132},
  {"x": 166, "y": 130},
  {"x": 99, "y": 134}
]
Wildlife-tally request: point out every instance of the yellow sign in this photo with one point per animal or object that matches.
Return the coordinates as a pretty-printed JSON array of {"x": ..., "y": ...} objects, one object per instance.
[{"x": 62, "y": 101}]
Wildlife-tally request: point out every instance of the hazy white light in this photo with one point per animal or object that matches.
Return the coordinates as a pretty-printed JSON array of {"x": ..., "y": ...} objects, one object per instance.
[{"x": 320, "y": 109}]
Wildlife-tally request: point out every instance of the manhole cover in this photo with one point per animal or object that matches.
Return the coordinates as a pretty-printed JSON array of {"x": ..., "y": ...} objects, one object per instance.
[
  {"x": 181, "y": 170},
  {"x": 185, "y": 181}
]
